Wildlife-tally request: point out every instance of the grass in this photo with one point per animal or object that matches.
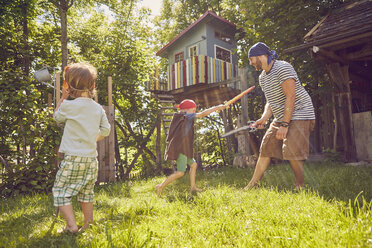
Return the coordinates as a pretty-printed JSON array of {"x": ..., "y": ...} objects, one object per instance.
[{"x": 334, "y": 210}]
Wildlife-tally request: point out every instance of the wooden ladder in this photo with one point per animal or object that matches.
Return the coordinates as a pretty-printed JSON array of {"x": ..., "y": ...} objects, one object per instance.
[{"x": 167, "y": 109}]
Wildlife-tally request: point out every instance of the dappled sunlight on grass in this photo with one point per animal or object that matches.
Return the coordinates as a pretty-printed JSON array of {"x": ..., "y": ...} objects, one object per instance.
[{"x": 130, "y": 214}]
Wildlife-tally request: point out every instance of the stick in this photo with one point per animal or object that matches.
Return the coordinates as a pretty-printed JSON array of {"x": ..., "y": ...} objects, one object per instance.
[{"x": 239, "y": 96}]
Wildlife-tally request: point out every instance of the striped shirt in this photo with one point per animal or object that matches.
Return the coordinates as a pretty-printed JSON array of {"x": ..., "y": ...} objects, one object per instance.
[{"x": 271, "y": 84}]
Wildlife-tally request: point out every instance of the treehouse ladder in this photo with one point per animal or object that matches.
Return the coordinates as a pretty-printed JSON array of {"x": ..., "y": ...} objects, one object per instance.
[{"x": 167, "y": 109}]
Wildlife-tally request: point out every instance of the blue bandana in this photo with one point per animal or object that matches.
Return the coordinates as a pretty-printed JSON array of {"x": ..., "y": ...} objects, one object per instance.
[{"x": 261, "y": 48}]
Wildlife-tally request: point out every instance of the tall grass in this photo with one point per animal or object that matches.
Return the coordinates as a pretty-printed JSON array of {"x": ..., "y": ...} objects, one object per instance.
[{"x": 334, "y": 210}]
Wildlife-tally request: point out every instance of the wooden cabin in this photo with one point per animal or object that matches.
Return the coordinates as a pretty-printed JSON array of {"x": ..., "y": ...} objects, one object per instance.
[
  {"x": 202, "y": 61},
  {"x": 342, "y": 40}
]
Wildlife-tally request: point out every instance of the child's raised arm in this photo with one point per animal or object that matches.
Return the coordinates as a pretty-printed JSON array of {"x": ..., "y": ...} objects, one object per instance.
[
  {"x": 210, "y": 110},
  {"x": 65, "y": 94}
]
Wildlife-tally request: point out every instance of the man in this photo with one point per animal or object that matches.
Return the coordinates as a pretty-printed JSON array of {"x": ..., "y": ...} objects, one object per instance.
[{"x": 286, "y": 99}]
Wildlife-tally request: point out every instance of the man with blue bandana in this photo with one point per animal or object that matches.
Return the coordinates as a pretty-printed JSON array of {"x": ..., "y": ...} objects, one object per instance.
[{"x": 288, "y": 102}]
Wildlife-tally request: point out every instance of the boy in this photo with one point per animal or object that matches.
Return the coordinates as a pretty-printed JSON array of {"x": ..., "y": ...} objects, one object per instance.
[{"x": 180, "y": 142}]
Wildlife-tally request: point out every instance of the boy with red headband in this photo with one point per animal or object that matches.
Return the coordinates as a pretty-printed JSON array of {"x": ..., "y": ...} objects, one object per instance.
[{"x": 181, "y": 141}]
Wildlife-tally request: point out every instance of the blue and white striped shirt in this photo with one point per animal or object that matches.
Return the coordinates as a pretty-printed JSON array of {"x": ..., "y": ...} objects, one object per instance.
[{"x": 271, "y": 84}]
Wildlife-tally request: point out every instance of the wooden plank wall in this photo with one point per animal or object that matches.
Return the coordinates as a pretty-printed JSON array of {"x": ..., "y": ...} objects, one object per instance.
[
  {"x": 363, "y": 135},
  {"x": 106, "y": 151},
  {"x": 106, "y": 147}
]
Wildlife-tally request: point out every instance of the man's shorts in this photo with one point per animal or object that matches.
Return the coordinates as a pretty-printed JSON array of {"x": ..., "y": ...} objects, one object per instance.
[
  {"x": 183, "y": 161},
  {"x": 76, "y": 176},
  {"x": 294, "y": 147}
]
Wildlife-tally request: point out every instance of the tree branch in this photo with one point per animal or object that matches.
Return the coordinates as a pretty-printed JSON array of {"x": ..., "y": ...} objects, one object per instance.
[{"x": 139, "y": 151}]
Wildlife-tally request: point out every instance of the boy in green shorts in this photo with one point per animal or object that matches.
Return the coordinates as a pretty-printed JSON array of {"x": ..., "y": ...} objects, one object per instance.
[{"x": 181, "y": 141}]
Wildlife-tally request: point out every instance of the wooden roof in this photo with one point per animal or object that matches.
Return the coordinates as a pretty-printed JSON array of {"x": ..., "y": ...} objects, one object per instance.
[{"x": 347, "y": 26}]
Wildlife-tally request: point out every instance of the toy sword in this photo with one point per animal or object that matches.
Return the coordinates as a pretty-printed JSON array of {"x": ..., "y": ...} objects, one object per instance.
[
  {"x": 229, "y": 102},
  {"x": 248, "y": 128}
]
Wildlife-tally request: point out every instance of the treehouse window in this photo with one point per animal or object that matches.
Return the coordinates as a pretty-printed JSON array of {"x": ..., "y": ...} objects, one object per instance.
[
  {"x": 223, "y": 54},
  {"x": 193, "y": 51},
  {"x": 223, "y": 37},
  {"x": 178, "y": 57}
]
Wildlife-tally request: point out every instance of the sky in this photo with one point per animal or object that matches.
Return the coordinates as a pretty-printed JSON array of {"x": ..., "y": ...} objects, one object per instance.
[{"x": 154, "y": 5}]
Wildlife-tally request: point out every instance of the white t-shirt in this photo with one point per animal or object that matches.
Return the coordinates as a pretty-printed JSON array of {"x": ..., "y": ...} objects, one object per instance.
[{"x": 84, "y": 119}]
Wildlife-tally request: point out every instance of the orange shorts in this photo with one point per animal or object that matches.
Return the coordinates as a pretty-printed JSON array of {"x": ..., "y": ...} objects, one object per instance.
[{"x": 294, "y": 147}]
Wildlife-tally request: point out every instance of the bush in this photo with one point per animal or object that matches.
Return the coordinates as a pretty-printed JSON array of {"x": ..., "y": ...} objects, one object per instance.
[{"x": 29, "y": 136}]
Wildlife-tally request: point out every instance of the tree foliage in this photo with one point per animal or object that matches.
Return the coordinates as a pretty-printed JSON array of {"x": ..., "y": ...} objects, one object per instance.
[
  {"x": 117, "y": 45},
  {"x": 117, "y": 37}
]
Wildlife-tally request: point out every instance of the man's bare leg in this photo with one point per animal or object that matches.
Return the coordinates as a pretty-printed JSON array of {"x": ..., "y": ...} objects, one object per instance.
[
  {"x": 168, "y": 180},
  {"x": 68, "y": 214},
  {"x": 192, "y": 174},
  {"x": 261, "y": 167},
  {"x": 298, "y": 172}
]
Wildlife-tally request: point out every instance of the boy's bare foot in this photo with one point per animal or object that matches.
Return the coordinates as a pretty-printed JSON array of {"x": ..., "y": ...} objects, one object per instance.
[
  {"x": 195, "y": 189},
  {"x": 158, "y": 189}
]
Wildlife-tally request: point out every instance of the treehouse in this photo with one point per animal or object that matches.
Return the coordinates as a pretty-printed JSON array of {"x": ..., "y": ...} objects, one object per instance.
[{"x": 202, "y": 65}]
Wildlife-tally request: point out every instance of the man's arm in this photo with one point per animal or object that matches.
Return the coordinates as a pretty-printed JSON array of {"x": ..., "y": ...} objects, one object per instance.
[
  {"x": 289, "y": 90},
  {"x": 260, "y": 123},
  {"x": 288, "y": 87},
  {"x": 210, "y": 110},
  {"x": 267, "y": 113}
]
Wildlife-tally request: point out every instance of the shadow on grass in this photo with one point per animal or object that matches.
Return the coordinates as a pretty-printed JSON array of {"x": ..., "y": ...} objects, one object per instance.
[
  {"x": 332, "y": 181},
  {"x": 56, "y": 240},
  {"x": 112, "y": 189}
]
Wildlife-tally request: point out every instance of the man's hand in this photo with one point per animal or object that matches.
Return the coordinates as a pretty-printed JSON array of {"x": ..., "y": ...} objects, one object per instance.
[
  {"x": 281, "y": 134},
  {"x": 259, "y": 124}
]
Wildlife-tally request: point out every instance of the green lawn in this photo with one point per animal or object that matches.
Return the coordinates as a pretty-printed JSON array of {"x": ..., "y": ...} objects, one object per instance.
[{"x": 334, "y": 210}]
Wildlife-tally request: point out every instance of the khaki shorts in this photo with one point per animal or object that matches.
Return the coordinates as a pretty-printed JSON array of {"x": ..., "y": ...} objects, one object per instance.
[{"x": 294, "y": 147}]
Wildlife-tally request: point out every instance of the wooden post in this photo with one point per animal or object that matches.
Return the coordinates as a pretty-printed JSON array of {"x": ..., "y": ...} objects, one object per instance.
[
  {"x": 157, "y": 78},
  {"x": 111, "y": 138},
  {"x": 244, "y": 102},
  {"x": 109, "y": 91},
  {"x": 58, "y": 87},
  {"x": 106, "y": 147},
  {"x": 96, "y": 97},
  {"x": 243, "y": 158},
  {"x": 158, "y": 141},
  {"x": 340, "y": 78},
  {"x": 50, "y": 100}
]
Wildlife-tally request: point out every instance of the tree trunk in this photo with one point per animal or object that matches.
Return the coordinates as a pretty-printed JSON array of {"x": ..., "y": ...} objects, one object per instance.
[
  {"x": 63, "y": 6},
  {"x": 63, "y": 15}
]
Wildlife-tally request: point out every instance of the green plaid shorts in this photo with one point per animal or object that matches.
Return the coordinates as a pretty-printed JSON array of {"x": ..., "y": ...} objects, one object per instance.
[{"x": 76, "y": 176}]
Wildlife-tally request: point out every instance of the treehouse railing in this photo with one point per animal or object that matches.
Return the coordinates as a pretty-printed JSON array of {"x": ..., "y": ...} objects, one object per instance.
[{"x": 196, "y": 70}]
